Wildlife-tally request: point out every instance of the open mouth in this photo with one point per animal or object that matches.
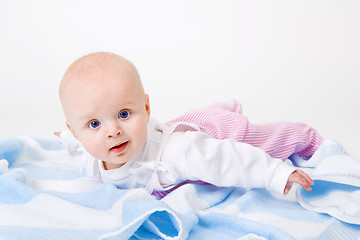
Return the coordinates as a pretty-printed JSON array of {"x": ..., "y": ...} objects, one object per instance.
[{"x": 119, "y": 148}]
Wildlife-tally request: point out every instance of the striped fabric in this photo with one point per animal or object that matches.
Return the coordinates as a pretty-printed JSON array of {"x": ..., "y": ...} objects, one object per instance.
[
  {"x": 43, "y": 196},
  {"x": 279, "y": 140}
]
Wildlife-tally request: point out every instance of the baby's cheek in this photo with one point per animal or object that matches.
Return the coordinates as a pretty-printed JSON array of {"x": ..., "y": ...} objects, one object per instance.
[
  {"x": 95, "y": 149},
  {"x": 142, "y": 135}
]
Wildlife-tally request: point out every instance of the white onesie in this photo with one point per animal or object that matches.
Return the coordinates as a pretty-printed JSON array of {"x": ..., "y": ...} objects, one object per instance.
[{"x": 180, "y": 152}]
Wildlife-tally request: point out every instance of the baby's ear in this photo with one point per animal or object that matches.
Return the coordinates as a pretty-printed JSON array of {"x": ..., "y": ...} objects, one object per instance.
[
  {"x": 147, "y": 104},
  {"x": 70, "y": 129}
]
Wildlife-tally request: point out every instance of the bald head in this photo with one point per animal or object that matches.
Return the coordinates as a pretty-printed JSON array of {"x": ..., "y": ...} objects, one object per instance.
[
  {"x": 89, "y": 67},
  {"x": 99, "y": 70}
]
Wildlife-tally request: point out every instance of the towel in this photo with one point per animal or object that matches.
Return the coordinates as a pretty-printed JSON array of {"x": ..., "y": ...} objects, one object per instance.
[
  {"x": 44, "y": 194},
  {"x": 337, "y": 183}
]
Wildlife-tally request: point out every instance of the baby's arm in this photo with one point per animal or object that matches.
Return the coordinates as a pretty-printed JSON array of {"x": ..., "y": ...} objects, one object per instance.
[
  {"x": 299, "y": 177},
  {"x": 225, "y": 163}
]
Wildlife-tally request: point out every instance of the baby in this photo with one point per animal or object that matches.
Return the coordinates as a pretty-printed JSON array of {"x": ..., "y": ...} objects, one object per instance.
[{"x": 108, "y": 112}]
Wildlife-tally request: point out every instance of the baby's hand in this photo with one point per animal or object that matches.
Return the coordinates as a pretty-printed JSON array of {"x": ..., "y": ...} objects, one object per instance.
[
  {"x": 301, "y": 178},
  {"x": 57, "y": 134}
]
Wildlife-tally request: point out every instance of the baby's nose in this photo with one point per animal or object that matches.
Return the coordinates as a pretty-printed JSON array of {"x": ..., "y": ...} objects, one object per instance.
[{"x": 114, "y": 131}]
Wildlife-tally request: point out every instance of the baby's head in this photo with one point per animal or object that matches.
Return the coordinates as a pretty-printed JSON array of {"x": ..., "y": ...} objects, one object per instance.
[{"x": 106, "y": 107}]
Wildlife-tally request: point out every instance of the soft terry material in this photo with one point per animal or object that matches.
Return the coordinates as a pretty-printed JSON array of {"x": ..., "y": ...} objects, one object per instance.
[
  {"x": 44, "y": 196},
  {"x": 337, "y": 184}
]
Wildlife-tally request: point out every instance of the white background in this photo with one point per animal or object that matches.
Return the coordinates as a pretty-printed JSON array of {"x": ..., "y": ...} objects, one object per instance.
[{"x": 284, "y": 60}]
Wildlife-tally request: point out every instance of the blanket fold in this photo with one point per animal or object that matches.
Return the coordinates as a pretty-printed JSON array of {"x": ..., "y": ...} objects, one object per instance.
[{"x": 337, "y": 184}]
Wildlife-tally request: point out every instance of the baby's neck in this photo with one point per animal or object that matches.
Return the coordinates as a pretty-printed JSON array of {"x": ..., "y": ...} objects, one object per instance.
[{"x": 109, "y": 165}]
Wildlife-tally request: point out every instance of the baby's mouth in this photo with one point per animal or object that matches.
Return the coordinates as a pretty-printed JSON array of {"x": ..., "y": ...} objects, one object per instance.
[{"x": 119, "y": 148}]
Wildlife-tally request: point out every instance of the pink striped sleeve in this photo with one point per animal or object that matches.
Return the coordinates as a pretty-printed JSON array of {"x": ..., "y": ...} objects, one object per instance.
[{"x": 279, "y": 140}]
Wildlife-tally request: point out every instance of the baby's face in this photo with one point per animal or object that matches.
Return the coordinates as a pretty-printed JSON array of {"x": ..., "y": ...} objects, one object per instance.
[{"x": 108, "y": 113}]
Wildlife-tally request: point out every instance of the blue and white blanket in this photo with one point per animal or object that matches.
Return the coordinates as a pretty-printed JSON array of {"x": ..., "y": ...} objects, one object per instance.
[{"x": 44, "y": 195}]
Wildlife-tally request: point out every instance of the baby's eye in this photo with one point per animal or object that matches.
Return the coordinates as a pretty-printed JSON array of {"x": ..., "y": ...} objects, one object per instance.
[
  {"x": 94, "y": 124},
  {"x": 124, "y": 114}
]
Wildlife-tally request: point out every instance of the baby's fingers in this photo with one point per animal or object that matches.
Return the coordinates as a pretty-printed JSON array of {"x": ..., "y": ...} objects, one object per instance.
[
  {"x": 287, "y": 188},
  {"x": 305, "y": 177},
  {"x": 302, "y": 179}
]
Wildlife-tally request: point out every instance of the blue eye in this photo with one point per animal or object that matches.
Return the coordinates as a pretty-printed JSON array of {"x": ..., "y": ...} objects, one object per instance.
[
  {"x": 124, "y": 114},
  {"x": 94, "y": 124}
]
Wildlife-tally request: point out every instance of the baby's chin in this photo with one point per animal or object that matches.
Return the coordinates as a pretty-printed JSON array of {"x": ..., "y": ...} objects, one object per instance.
[{"x": 110, "y": 165}]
